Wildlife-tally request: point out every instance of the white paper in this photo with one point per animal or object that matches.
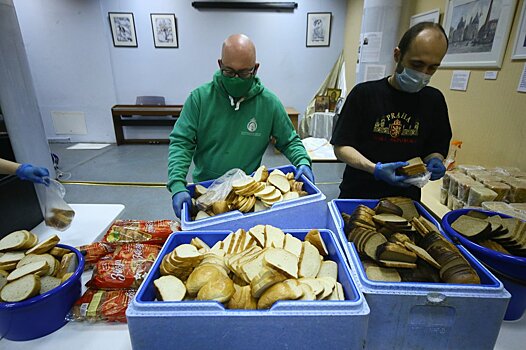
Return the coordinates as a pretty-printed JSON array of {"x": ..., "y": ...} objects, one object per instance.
[
  {"x": 459, "y": 80},
  {"x": 522, "y": 81},
  {"x": 490, "y": 75},
  {"x": 89, "y": 146},
  {"x": 370, "y": 47},
  {"x": 374, "y": 71}
]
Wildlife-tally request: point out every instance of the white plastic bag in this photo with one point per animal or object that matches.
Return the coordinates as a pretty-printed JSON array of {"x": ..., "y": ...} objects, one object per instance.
[
  {"x": 58, "y": 214},
  {"x": 219, "y": 189},
  {"x": 419, "y": 180}
]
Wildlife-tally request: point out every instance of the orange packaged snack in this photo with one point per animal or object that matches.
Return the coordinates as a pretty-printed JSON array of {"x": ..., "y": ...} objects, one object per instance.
[
  {"x": 94, "y": 252},
  {"x": 136, "y": 251}
]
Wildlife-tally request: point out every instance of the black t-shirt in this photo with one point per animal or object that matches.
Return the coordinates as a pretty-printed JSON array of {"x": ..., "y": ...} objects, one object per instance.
[{"x": 387, "y": 125}]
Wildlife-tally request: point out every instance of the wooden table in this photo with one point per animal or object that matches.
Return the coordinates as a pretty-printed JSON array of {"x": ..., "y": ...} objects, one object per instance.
[{"x": 122, "y": 116}]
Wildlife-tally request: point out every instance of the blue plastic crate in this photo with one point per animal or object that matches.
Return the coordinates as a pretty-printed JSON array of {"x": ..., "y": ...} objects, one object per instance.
[
  {"x": 316, "y": 325},
  {"x": 511, "y": 270},
  {"x": 411, "y": 315},
  {"x": 303, "y": 212}
]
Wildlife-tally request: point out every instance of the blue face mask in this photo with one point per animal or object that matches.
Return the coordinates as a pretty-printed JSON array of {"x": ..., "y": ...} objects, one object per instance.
[{"x": 411, "y": 80}]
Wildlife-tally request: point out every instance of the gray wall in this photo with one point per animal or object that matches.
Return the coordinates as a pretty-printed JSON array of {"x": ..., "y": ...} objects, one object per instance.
[{"x": 76, "y": 68}]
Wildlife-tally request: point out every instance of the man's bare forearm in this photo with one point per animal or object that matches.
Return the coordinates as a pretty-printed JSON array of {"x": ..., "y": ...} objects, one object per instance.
[
  {"x": 350, "y": 156},
  {"x": 7, "y": 167}
]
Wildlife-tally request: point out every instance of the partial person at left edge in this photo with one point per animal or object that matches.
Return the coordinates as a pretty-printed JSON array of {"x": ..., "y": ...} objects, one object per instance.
[
  {"x": 25, "y": 171},
  {"x": 228, "y": 122}
]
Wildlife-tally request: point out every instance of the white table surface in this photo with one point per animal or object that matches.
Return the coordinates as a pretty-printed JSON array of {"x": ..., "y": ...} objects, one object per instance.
[{"x": 91, "y": 221}]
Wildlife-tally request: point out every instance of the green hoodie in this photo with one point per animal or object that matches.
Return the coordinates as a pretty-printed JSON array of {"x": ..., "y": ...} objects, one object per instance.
[{"x": 220, "y": 133}]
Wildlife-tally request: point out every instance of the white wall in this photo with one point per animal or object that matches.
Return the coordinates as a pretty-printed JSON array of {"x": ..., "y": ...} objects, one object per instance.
[{"x": 76, "y": 68}]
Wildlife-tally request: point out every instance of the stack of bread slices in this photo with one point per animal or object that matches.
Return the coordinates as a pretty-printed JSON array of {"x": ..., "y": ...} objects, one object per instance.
[
  {"x": 250, "y": 270},
  {"x": 254, "y": 193},
  {"x": 29, "y": 268}
]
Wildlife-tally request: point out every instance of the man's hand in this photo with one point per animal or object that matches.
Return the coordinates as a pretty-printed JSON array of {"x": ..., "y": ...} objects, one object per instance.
[
  {"x": 436, "y": 168},
  {"x": 32, "y": 173},
  {"x": 387, "y": 173},
  {"x": 304, "y": 170},
  {"x": 177, "y": 202}
]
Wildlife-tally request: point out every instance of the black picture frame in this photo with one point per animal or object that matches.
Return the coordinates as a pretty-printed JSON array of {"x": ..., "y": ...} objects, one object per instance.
[
  {"x": 122, "y": 26},
  {"x": 319, "y": 25},
  {"x": 164, "y": 30}
]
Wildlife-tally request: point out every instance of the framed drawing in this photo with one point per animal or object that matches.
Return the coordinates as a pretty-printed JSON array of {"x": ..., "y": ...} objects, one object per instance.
[
  {"x": 123, "y": 29},
  {"x": 429, "y": 16},
  {"x": 478, "y": 31},
  {"x": 519, "y": 50},
  {"x": 319, "y": 29},
  {"x": 164, "y": 28}
]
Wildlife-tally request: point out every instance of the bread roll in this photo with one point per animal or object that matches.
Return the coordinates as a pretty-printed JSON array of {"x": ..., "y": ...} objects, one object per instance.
[
  {"x": 219, "y": 289},
  {"x": 201, "y": 275}
]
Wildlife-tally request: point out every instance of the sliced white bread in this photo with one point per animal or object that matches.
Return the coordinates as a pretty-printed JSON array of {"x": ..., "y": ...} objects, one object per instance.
[
  {"x": 310, "y": 261},
  {"x": 32, "y": 241},
  {"x": 261, "y": 174},
  {"x": 292, "y": 244},
  {"x": 40, "y": 268},
  {"x": 286, "y": 290},
  {"x": 12, "y": 256},
  {"x": 48, "y": 283},
  {"x": 328, "y": 268},
  {"x": 274, "y": 237},
  {"x": 15, "y": 240},
  {"x": 283, "y": 261},
  {"x": 21, "y": 289},
  {"x": 279, "y": 181},
  {"x": 44, "y": 246},
  {"x": 258, "y": 232},
  {"x": 3, "y": 278},
  {"x": 201, "y": 215},
  {"x": 314, "y": 237},
  {"x": 31, "y": 258},
  {"x": 169, "y": 288},
  {"x": 68, "y": 264}
]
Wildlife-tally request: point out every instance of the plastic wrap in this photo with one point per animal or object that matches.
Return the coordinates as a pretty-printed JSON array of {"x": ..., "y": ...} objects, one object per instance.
[
  {"x": 500, "y": 188},
  {"x": 443, "y": 195},
  {"x": 220, "y": 189},
  {"x": 477, "y": 195},
  {"x": 57, "y": 213}
]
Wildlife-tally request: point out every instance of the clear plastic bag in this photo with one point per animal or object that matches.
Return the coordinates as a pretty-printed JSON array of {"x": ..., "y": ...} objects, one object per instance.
[
  {"x": 419, "y": 180},
  {"x": 58, "y": 214},
  {"x": 220, "y": 188}
]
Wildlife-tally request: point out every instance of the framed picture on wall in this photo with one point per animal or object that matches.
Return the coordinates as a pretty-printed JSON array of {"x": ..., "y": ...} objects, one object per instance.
[
  {"x": 164, "y": 28},
  {"x": 319, "y": 29},
  {"x": 478, "y": 31},
  {"x": 429, "y": 16},
  {"x": 519, "y": 50},
  {"x": 122, "y": 27}
]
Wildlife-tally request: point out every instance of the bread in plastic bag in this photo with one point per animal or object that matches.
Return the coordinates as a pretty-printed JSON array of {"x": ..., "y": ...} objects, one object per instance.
[
  {"x": 219, "y": 189},
  {"x": 58, "y": 214}
]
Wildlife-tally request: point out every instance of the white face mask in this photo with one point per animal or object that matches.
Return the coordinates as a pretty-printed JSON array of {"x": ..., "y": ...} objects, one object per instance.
[{"x": 411, "y": 80}]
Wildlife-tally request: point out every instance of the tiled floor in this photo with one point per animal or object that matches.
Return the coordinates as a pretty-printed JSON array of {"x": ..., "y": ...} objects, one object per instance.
[{"x": 134, "y": 175}]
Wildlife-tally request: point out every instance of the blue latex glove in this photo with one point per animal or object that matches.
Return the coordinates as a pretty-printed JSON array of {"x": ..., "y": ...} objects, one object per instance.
[
  {"x": 436, "y": 168},
  {"x": 33, "y": 173},
  {"x": 177, "y": 202},
  {"x": 387, "y": 173},
  {"x": 304, "y": 170}
]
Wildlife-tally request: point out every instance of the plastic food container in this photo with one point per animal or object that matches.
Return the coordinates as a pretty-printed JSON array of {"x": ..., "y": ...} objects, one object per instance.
[
  {"x": 44, "y": 313},
  {"x": 306, "y": 211},
  {"x": 327, "y": 324},
  {"x": 413, "y": 315},
  {"x": 511, "y": 270}
]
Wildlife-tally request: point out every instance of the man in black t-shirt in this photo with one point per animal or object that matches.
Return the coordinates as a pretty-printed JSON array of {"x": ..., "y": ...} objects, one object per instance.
[{"x": 383, "y": 123}]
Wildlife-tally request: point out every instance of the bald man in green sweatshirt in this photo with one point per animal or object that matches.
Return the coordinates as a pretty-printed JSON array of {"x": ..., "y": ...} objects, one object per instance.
[{"x": 227, "y": 123}]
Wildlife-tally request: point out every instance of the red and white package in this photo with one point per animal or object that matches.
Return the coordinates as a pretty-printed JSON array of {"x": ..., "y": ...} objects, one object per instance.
[
  {"x": 154, "y": 232},
  {"x": 101, "y": 306},
  {"x": 119, "y": 274},
  {"x": 94, "y": 252},
  {"x": 135, "y": 251}
]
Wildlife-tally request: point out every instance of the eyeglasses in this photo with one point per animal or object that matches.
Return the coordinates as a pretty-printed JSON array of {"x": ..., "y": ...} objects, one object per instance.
[{"x": 243, "y": 73}]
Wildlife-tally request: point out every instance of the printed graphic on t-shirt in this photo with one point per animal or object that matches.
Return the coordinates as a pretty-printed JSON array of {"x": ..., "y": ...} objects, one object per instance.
[
  {"x": 396, "y": 128},
  {"x": 252, "y": 126}
]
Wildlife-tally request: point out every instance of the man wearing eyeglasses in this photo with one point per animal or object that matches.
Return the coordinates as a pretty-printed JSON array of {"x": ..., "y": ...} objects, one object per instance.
[{"x": 228, "y": 122}]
